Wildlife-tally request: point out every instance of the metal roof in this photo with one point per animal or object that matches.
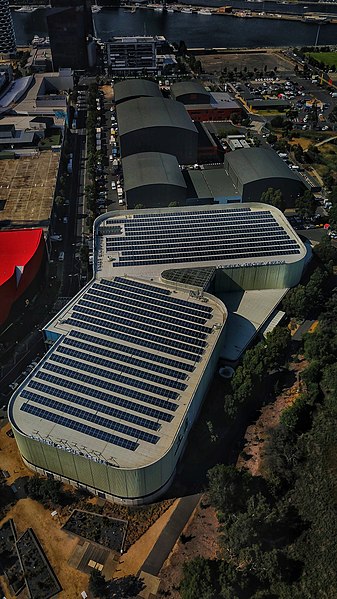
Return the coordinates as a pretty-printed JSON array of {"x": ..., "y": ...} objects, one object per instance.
[
  {"x": 213, "y": 183},
  {"x": 188, "y": 87},
  {"x": 118, "y": 383},
  {"x": 131, "y": 88},
  {"x": 142, "y": 113},
  {"x": 143, "y": 243},
  {"x": 253, "y": 164},
  {"x": 151, "y": 168}
]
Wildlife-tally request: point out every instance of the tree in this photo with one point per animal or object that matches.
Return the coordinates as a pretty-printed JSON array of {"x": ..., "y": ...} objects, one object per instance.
[
  {"x": 273, "y": 197},
  {"x": 326, "y": 251},
  {"x": 235, "y": 118},
  {"x": 197, "y": 580},
  {"x": 295, "y": 302},
  {"x": 228, "y": 488},
  {"x": 98, "y": 585},
  {"x": 278, "y": 342},
  {"x": 44, "y": 490},
  {"x": 59, "y": 201},
  {"x": 272, "y": 138},
  {"x": 306, "y": 204},
  {"x": 277, "y": 122}
]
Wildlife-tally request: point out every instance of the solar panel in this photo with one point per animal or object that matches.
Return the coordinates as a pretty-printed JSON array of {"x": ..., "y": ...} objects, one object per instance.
[
  {"x": 79, "y": 426},
  {"x": 118, "y": 293},
  {"x": 126, "y": 404},
  {"x": 101, "y": 421},
  {"x": 92, "y": 405},
  {"x": 92, "y": 392},
  {"x": 185, "y": 237},
  {"x": 69, "y": 370},
  {"x": 143, "y": 317},
  {"x": 141, "y": 337},
  {"x": 86, "y": 359},
  {"x": 136, "y": 351}
]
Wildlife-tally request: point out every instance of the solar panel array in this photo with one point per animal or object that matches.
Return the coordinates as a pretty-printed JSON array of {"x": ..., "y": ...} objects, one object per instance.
[
  {"x": 104, "y": 379},
  {"x": 197, "y": 236}
]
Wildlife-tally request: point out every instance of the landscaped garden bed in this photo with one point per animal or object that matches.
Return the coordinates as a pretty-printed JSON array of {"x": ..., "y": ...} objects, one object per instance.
[
  {"x": 106, "y": 531},
  {"x": 10, "y": 565},
  {"x": 40, "y": 578}
]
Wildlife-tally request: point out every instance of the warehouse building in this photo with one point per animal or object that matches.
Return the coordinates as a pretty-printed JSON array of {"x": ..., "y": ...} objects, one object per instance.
[
  {"x": 157, "y": 125},
  {"x": 204, "y": 106},
  {"x": 153, "y": 180},
  {"x": 211, "y": 185},
  {"x": 110, "y": 405},
  {"x": 130, "y": 89},
  {"x": 254, "y": 170},
  {"x": 190, "y": 92}
]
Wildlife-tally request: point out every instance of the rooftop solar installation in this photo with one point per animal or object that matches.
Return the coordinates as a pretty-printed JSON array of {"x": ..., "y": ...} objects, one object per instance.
[
  {"x": 120, "y": 375},
  {"x": 129, "y": 352},
  {"x": 137, "y": 241}
]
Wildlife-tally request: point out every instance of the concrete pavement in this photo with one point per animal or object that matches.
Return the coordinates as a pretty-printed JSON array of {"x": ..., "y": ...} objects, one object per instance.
[{"x": 170, "y": 534}]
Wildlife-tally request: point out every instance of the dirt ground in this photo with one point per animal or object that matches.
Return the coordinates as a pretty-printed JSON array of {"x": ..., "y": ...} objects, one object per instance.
[
  {"x": 301, "y": 141},
  {"x": 27, "y": 186},
  {"x": 10, "y": 459},
  {"x": 217, "y": 62},
  {"x": 57, "y": 545},
  {"x": 134, "y": 558},
  {"x": 251, "y": 458},
  {"x": 201, "y": 533},
  {"x": 108, "y": 92}
]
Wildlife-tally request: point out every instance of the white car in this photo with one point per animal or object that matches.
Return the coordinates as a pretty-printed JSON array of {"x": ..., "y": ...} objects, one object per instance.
[{"x": 113, "y": 185}]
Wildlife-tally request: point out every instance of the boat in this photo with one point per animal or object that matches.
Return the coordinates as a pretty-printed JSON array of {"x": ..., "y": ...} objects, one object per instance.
[
  {"x": 204, "y": 11},
  {"x": 158, "y": 9},
  {"x": 186, "y": 10},
  {"x": 170, "y": 10},
  {"x": 95, "y": 8}
]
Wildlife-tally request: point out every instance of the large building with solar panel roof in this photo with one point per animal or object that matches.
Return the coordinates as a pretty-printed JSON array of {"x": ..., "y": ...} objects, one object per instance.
[{"x": 110, "y": 405}]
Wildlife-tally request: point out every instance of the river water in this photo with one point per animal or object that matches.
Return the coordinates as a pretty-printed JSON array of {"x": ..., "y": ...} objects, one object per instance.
[{"x": 197, "y": 30}]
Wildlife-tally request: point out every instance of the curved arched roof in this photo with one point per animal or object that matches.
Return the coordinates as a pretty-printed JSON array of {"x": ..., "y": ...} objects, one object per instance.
[{"x": 253, "y": 164}]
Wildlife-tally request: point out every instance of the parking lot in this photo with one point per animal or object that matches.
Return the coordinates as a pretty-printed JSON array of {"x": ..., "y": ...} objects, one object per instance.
[{"x": 27, "y": 189}]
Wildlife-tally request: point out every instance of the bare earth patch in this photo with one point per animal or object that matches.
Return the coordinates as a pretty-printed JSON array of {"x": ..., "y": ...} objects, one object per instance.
[
  {"x": 201, "y": 534},
  {"x": 57, "y": 545},
  {"x": 251, "y": 458},
  {"x": 108, "y": 92}
]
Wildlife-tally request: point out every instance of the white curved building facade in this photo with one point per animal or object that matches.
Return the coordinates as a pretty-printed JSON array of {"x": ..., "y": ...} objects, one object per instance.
[{"x": 110, "y": 405}]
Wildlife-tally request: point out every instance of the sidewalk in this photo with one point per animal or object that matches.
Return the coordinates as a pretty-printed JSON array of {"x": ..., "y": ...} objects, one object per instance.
[{"x": 170, "y": 534}]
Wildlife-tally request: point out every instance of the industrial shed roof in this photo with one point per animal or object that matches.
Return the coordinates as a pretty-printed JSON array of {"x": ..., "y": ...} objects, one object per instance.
[
  {"x": 131, "y": 88},
  {"x": 188, "y": 87},
  {"x": 143, "y": 113},
  {"x": 151, "y": 168},
  {"x": 213, "y": 183},
  {"x": 252, "y": 164}
]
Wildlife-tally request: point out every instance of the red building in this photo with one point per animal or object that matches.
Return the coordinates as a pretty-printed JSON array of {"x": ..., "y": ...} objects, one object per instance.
[
  {"x": 21, "y": 255},
  {"x": 204, "y": 113}
]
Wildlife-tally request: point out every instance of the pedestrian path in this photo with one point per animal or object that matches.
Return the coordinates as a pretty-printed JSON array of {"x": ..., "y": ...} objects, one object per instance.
[{"x": 170, "y": 534}]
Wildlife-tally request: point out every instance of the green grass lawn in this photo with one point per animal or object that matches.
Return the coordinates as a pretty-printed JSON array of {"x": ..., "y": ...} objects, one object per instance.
[
  {"x": 329, "y": 58},
  {"x": 52, "y": 140}
]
